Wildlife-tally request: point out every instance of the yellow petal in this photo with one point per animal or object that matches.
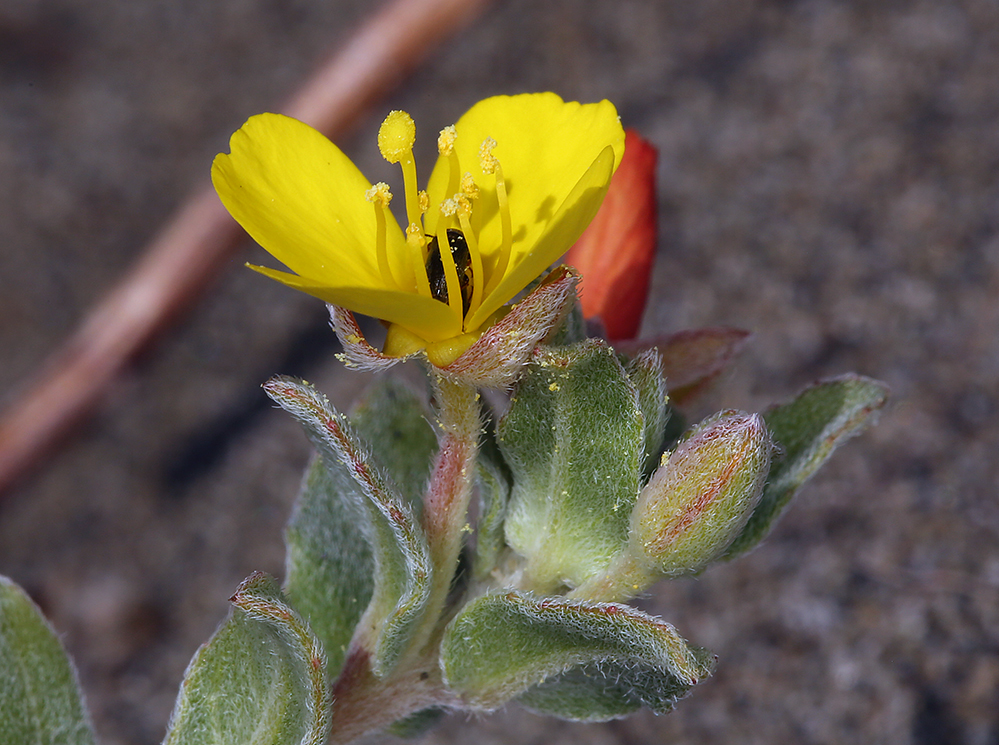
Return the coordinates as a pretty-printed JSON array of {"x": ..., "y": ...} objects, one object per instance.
[
  {"x": 562, "y": 230},
  {"x": 544, "y": 146},
  {"x": 302, "y": 199},
  {"x": 427, "y": 318}
]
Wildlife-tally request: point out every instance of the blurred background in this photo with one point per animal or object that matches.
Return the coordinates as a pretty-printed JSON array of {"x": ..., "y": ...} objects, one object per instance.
[{"x": 829, "y": 180}]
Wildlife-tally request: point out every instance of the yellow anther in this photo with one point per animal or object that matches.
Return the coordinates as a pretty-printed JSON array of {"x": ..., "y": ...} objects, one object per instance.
[
  {"x": 396, "y": 136},
  {"x": 424, "y": 201},
  {"x": 469, "y": 189},
  {"x": 379, "y": 194},
  {"x": 445, "y": 140},
  {"x": 449, "y": 207},
  {"x": 487, "y": 161}
]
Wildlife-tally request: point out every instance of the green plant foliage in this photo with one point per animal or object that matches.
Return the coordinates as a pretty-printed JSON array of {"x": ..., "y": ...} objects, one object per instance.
[
  {"x": 573, "y": 437},
  {"x": 571, "y": 329},
  {"x": 646, "y": 373},
  {"x": 700, "y": 498},
  {"x": 260, "y": 679},
  {"x": 418, "y": 724},
  {"x": 807, "y": 431},
  {"x": 402, "y": 563},
  {"x": 393, "y": 420},
  {"x": 608, "y": 690},
  {"x": 40, "y": 701},
  {"x": 494, "y": 480},
  {"x": 500, "y": 645},
  {"x": 330, "y": 569}
]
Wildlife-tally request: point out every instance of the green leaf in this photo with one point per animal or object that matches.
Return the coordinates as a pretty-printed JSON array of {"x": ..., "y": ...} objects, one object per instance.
[
  {"x": 393, "y": 421},
  {"x": 573, "y": 437},
  {"x": 330, "y": 570},
  {"x": 40, "y": 700},
  {"x": 501, "y": 645},
  {"x": 807, "y": 431},
  {"x": 417, "y": 724},
  {"x": 402, "y": 561},
  {"x": 330, "y": 573},
  {"x": 646, "y": 373},
  {"x": 261, "y": 678},
  {"x": 494, "y": 480},
  {"x": 608, "y": 690}
]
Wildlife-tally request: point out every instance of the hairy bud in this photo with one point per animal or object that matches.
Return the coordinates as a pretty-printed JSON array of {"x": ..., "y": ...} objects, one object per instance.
[{"x": 701, "y": 497}]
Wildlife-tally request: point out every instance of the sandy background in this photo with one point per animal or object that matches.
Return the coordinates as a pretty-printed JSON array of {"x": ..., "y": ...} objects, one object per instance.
[{"x": 829, "y": 179}]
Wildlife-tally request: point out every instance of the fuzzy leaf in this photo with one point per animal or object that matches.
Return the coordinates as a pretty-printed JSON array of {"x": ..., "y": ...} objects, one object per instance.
[
  {"x": 573, "y": 437},
  {"x": 393, "y": 421},
  {"x": 261, "y": 678},
  {"x": 646, "y": 373},
  {"x": 416, "y": 724},
  {"x": 494, "y": 481},
  {"x": 402, "y": 561},
  {"x": 40, "y": 700},
  {"x": 329, "y": 574},
  {"x": 330, "y": 569},
  {"x": 601, "y": 691},
  {"x": 807, "y": 431},
  {"x": 501, "y": 645}
]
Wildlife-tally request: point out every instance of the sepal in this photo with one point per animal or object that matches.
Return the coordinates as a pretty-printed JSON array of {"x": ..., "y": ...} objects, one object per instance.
[
  {"x": 691, "y": 359},
  {"x": 498, "y": 358},
  {"x": 493, "y": 360}
]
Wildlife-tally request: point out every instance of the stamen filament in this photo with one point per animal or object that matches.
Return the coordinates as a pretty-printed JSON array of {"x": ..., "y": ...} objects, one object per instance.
[
  {"x": 415, "y": 241},
  {"x": 464, "y": 211},
  {"x": 445, "y": 147},
  {"x": 454, "y": 300},
  {"x": 504, "y": 212},
  {"x": 413, "y": 213},
  {"x": 380, "y": 196},
  {"x": 489, "y": 164}
]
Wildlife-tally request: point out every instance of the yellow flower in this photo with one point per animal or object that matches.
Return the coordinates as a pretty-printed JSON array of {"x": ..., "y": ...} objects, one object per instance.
[{"x": 517, "y": 180}]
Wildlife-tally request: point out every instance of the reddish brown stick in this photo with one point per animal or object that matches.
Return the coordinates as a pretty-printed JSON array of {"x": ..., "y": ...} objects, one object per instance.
[{"x": 191, "y": 249}]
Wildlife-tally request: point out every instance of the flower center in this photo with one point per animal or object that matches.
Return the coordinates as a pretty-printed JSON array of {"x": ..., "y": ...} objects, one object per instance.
[{"x": 455, "y": 277}]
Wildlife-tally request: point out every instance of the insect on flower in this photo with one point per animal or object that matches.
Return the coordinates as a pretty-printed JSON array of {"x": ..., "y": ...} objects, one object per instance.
[{"x": 517, "y": 180}]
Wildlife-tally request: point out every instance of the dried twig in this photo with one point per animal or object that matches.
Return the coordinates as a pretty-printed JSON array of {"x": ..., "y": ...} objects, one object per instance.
[{"x": 192, "y": 248}]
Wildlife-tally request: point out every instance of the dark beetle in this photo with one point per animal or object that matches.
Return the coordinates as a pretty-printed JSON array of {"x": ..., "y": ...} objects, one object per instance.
[{"x": 463, "y": 263}]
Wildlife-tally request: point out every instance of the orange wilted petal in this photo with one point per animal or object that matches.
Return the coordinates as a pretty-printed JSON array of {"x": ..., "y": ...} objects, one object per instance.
[{"x": 615, "y": 253}]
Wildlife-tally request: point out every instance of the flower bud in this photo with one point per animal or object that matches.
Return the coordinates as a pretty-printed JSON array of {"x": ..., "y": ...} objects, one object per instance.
[{"x": 701, "y": 497}]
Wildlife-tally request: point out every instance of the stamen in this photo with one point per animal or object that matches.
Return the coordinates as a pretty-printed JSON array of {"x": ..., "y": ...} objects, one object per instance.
[
  {"x": 395, "y": 141},
  {"x": 416, "y": 242},
  {"x": 445, "y": 146},
  {"x": 464, "y": 213},
  {"x": 380, "y": 196},
  {"x": 469, "y": 189},
  {"x": 490, "y": 164},
  {"x": 447, "y": 209}
]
